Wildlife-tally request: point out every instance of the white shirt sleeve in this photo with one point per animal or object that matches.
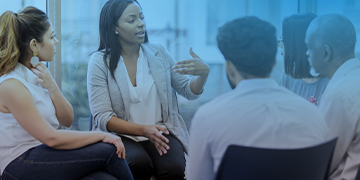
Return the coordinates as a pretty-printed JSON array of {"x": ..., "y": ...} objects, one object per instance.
[
  {"x": 200, "y": 162},
  {"x": 337, "y": 110}
]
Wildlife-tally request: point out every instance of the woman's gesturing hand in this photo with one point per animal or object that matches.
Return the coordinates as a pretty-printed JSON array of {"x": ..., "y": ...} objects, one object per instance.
[
  {"x": 195, "y": 66},
  {"x": 115, "y": 140},
  {"x": 44, "y": 77},
  {"x": 152, "y": 132}
]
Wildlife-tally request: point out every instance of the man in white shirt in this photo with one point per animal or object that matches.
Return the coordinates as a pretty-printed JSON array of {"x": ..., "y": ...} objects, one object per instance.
[
  {"x": 331, "y": 42},
  {"x": 258, "y": 112}
]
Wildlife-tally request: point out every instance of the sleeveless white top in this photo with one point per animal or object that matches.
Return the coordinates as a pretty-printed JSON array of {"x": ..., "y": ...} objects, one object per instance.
[
  {"x": 14, "y": 140},
  {"x": 145, "y": 106}
]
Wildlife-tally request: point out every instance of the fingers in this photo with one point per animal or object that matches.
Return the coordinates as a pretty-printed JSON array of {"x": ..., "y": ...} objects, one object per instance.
[
  {"x": 193, "y": 54},
  {"x": 37, "y": 72},
  {"x": 161, "y": 150},
  {"x": 40, "y": 67},
  {"x": 185, "y": 62},
  {"x": 154, "y": 133},
  {"x": 40, "y": 81},
  {"x": 162, "y": 129},
  {"x": 185, "y": 67},
  {"x": 120, "y": 149},
  {"x": 116, "y": 141},
  {"x": 40, "y": 70},
  {"x": 158, "y": 137},
  {"x": 123, "y": 154},
  {"x": 189, "y": 71},
  {"x": 160, "y": 142},
  {"x": 161, "y": 146},
  {"x": 178, "y": 67}
]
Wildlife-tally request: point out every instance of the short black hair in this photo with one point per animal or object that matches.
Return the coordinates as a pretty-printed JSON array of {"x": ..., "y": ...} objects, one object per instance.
[
  {"x": 293, "y": 35},
  {"x": 336, "y": 31},
  {"x": 250, "y": 44}
]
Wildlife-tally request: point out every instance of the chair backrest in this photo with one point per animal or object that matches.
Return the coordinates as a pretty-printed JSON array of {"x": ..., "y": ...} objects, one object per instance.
[
  {"x": 358, "y": 174},
  {"x": 90, "y": 126},
  {"x": 311, "y": 163}
]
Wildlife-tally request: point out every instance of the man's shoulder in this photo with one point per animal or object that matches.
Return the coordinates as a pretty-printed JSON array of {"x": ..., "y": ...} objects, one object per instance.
[
  {"x": 215, "y": 104},
  {"x": 346, "y": 88}
]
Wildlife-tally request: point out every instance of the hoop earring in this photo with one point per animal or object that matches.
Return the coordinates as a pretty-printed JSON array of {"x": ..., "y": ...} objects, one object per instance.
[{"x": 35, "y": 60}]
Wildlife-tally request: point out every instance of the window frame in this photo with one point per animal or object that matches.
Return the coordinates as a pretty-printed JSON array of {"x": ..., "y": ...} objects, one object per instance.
[{"x": 54, "y": 13}]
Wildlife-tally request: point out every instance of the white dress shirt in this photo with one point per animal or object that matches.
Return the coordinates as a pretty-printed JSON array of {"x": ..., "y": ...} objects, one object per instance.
[
  {"x": 257, "y": 113},
  {"x": 341, "y": 108},
  {"x": 145, "y": 106}
]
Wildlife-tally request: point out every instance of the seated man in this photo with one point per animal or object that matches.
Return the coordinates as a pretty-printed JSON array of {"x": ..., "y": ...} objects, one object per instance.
[
  {"x": 258, "y": 112},
  {"x": 331, "y": 43}
]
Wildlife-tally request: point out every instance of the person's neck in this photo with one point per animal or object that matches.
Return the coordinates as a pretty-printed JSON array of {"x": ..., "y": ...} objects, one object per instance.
[
  {"x": 251, "y": 77},
  {"x": 27, "y": 63},
  {"x": 130, "y": 52}
]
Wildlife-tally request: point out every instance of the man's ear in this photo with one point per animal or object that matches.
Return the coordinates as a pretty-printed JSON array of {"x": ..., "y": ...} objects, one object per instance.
[
  {"x": 34, "y": 45},
  {"x": 328, "y": 53},
  {"x": 230, "y": 68},
  {"x": 274, "y": 63}
]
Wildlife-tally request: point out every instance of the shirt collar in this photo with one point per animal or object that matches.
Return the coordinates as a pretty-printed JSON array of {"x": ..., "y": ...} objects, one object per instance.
[
  {"x": 258, "y": 83},
  {"x": 346, "y": 67},
  {"x": 26, "y": 73}
]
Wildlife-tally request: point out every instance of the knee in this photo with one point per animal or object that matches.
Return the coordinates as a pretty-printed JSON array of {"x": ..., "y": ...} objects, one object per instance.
[
  {"x": 173, "y": 170},
  {"x": 140, "y": 166},
  {"x": 103, "y": 149},
  {"x": 140, "y": 162}
]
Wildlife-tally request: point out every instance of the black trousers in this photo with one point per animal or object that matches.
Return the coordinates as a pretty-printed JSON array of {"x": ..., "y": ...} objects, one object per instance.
[{"x": 144, "y": 160}]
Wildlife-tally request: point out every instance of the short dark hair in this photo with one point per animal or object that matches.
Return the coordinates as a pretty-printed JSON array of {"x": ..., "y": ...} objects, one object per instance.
[
  {"x": 293, "y": 35},
  {"x": 109, "y": 16},
  {"x": 336, "y": 31},
  {"x": 250, "y": 44}
]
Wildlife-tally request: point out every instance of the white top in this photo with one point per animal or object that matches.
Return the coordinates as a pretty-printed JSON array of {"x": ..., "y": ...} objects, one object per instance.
[
  {"x": 145, "y": 106},
  {"x": 257, "y": 113},
  {"x": 14, "y": 139},
  {"x": 340, "y": 105}
]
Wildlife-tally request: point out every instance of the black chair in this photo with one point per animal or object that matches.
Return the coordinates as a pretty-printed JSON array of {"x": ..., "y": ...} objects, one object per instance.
[
  {"x": 249, "y": 163},
  {"x": 358, "y": 174},
  {"x": 90, "y": 127}
]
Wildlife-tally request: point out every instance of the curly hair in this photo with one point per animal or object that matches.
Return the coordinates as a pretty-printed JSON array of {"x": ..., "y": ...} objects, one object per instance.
[
  {"x": 250, "y": 44},
  {"x": 16, "y": 32}
]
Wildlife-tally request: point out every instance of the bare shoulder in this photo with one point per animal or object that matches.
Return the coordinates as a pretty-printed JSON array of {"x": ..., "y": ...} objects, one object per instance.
[
  {"x": 12, "y": 91},
  {"x": 10, "y": 86}
]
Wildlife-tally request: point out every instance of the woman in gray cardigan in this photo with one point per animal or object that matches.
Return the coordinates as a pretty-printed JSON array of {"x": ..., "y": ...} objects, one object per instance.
[{"x": 131, "y": 85}]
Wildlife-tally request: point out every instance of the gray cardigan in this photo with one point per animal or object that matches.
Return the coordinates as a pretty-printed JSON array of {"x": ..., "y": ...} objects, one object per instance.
[{"x": 111, "y": 97}]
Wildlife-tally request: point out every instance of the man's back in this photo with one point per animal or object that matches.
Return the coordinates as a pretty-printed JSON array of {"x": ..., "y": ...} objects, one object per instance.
[
  {"x": 341, "y": 109},
  {"x": 258, "y": 113}
]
